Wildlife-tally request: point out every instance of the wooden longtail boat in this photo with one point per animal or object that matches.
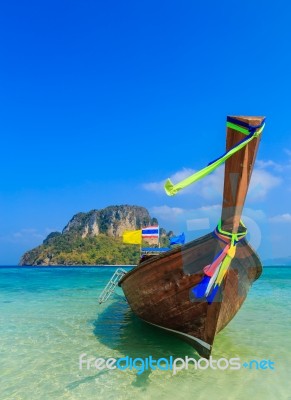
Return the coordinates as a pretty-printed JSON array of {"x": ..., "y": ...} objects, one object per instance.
[{"x": 164, "y": 290}]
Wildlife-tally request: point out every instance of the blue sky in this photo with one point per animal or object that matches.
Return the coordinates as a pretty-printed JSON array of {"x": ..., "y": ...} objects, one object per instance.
[{"x": 102, "y": 101}]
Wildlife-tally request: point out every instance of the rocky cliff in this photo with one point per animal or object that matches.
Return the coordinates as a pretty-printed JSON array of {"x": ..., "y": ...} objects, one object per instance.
[
  {"x": 111, "y": 221},
  {"x": 94, "y": 238}
]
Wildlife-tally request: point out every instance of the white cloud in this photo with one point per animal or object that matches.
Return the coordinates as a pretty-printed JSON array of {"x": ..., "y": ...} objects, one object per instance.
[
  {"x": 262, "y": 164},
  {"x": 270, "y": 164},
  {"x": 184, "y": 173},
  {"x": 281, "y": 218},
  {"x": 198, "y": 224},
  {"x": 25, "y": 235},
  {"x": 198, "y": 218},
  {"x": 206, "y": 218},
  {"x": 17, "y": 235},
  {"x": 208, "y": 209},
  {"x": 158, "y": 187},
  {"x": 261, "y": 183},
  {"x": 211, "y": 212},
  {"x": 166, "y": 212},
  {"x": 209, "y": 188},
  {"x": 257, "y": 215}
]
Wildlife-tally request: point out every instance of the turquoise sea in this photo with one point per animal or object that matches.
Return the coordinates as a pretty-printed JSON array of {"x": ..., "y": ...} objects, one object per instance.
[{"x": 50, "y": 316}]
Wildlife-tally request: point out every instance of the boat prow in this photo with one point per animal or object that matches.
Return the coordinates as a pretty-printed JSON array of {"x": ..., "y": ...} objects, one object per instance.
[{"x": 193, "y": 291}]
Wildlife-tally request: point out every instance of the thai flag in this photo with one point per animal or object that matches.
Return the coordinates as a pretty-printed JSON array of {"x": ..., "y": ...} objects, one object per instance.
[{"x": 150, "y": 232}]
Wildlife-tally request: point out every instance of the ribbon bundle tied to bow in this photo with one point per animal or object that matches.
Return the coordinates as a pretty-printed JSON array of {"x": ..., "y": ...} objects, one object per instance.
[{"x": 215, "y": 272}]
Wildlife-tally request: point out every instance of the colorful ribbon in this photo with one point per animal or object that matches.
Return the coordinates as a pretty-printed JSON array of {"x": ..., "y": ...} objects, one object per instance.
[
  {"x": 215, "y": 272},
  {"x": 251, "y": 132}
]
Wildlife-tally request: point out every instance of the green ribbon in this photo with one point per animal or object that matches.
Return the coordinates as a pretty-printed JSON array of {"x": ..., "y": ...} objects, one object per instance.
[
  {"x": 172, "y": 189},
  {"x": 234, "y": 237}
]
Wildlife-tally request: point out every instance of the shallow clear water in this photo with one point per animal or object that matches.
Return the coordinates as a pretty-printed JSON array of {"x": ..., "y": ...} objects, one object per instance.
[{"x": 49, "y": 316}]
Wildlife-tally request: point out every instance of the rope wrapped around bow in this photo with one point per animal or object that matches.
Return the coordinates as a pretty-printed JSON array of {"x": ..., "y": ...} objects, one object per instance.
[{"x": 215, "y": 272}]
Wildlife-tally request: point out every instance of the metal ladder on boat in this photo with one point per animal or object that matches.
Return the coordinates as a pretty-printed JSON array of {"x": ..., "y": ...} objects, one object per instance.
[{"x": 111, "y": 285}]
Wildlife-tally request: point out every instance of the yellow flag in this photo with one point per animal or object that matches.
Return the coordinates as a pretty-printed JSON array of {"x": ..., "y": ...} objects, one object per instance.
[{"x": 132, "y": 237}]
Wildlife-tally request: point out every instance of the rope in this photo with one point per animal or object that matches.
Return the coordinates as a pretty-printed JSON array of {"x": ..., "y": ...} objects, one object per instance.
[
  {"x": 215, "y": 272},
  {"x": 251, "y": 132}
]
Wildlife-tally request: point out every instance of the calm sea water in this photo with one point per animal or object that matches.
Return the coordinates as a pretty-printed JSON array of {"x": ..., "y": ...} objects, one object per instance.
[{"x": 49, "y": 316}]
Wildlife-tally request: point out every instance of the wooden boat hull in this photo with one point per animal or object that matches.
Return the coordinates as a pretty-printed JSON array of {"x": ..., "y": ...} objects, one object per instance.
[{"x": 159, "y": 290}]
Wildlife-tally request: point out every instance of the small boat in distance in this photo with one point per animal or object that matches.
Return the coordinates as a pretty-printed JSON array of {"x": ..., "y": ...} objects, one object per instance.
[{"x": 194, "y": 290}]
